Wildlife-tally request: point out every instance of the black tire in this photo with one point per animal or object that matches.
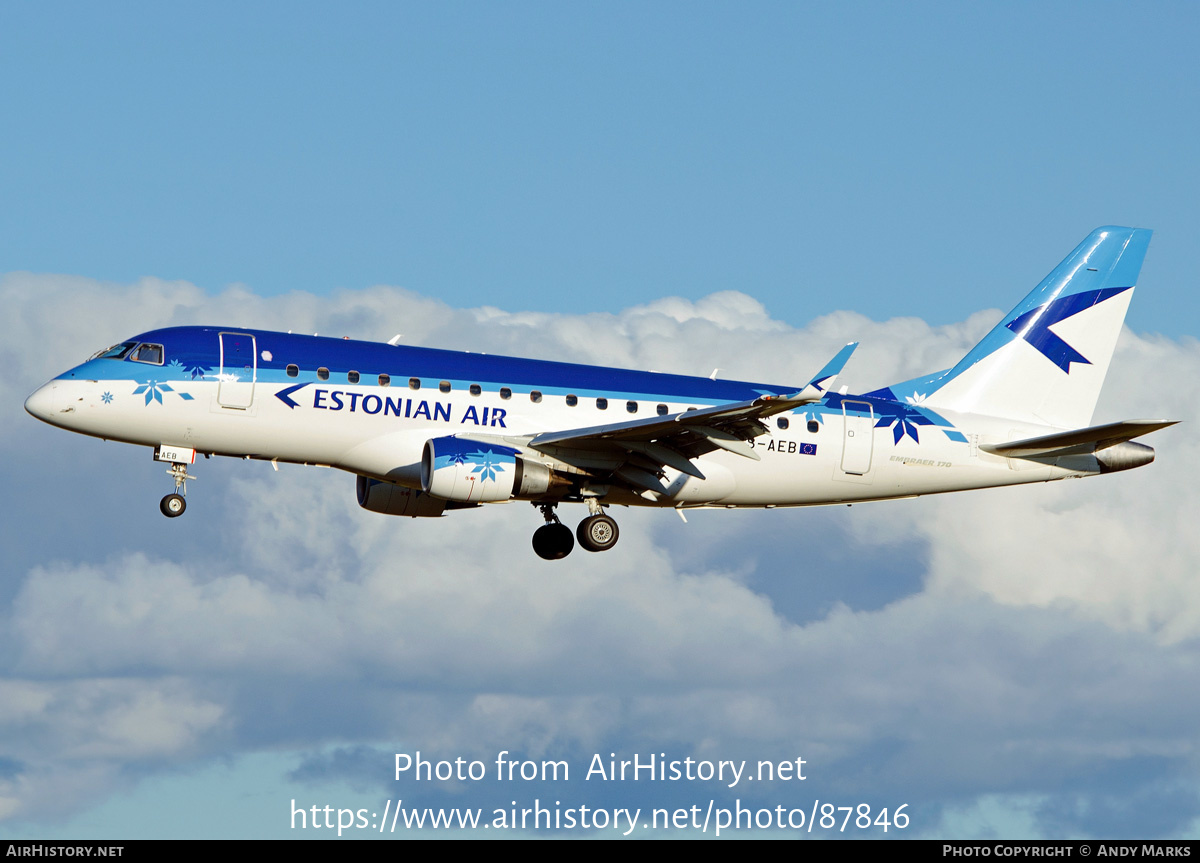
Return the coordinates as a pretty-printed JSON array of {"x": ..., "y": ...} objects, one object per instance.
[
  {"x": 553, "y": 541},
  {"x": 172, "y": 505},
  {"x": 598, "y": 533}
]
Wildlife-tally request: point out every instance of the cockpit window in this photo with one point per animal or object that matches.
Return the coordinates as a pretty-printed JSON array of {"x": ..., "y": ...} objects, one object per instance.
[
  {"x": 116, "y": 352},
  {"x": 145, "y": 353}
]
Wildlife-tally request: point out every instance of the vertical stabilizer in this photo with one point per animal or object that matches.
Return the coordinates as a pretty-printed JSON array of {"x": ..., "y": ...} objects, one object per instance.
[{"x": 1046, "y": 361}]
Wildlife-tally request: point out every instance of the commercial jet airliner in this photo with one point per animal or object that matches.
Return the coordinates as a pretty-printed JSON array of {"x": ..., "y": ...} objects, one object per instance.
[{"x": 427, "y": 431}]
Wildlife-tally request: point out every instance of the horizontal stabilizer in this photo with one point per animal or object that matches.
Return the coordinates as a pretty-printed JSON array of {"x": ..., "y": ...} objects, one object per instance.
[{"x": 1077, "y": 442}]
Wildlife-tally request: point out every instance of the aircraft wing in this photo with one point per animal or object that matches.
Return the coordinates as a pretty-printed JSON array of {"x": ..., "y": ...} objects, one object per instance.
[{"x": 640, "y": 449}]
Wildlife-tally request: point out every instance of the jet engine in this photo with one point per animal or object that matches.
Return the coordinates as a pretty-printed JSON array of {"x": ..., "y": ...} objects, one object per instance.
[
  {"x": 470, "y": 470},
  {"x": 391, "y": 499}
]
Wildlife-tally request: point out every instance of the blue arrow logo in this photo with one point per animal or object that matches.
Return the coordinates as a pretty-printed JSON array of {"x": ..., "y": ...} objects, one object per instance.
[
  {"x": 285, "y": 396},
  {"x": 1034, "y": 325}
]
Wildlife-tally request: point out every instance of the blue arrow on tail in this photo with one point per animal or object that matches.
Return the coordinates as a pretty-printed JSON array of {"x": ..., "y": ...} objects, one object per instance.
[{"x": 1034, "y": 325}]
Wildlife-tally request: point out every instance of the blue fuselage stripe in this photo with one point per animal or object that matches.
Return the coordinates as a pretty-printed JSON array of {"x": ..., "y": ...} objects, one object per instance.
[{"x": 188, "y": 349}]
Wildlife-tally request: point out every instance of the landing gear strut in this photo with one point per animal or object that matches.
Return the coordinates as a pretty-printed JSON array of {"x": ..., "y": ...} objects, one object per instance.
[
  {"x": 553, "y": 540},
  {"x": 173, "y": 505},
  {"x": 597, "y": 532}
]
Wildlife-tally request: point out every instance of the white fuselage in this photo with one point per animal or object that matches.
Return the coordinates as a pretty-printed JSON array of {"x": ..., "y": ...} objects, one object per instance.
[{"x": 380, "y": 432}]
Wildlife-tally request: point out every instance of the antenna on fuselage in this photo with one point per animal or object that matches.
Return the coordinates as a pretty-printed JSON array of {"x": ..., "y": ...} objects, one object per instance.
[{"x": 395, "y": 340}]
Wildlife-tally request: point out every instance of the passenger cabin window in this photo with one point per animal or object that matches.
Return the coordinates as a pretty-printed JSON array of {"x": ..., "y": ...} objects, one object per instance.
[
  {"x": 662, "y": 410},
  {"x": 293, "y": 370},
  {"x": 444, "y": 386},
  {"x": 505, "y": 393},
  {"x": 152, "y": 354},
  {"x": 782, "y": 422},
  {"x": 814, "y": 426},
  {"x": 631, "y": 407},
  {"x": 535, "y": 396},
  {"x": 322, "y": 374},
  {"x": 352, "y": 377},
  {"x": 476, "y": 389},
  {"x": 414, "y": 383},
  {"x": 572, "y": 400},
  {"x": 385, "y": 380},
  {"x": 602, "y": 404}
]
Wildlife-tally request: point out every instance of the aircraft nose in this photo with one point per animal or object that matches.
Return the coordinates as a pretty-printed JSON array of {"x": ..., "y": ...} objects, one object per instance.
[{"x": 42, "y": 402}]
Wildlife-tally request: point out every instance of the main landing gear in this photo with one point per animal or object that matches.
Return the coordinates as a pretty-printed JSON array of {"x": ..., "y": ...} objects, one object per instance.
[
  {"x": 173, "y": 505},
  {"x": 597, "y": 532},
  {"x": 553, "y": 540}
]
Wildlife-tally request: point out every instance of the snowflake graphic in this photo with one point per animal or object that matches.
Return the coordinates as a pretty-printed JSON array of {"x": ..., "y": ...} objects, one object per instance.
[
  {"x": 178, "y": 368},
  {"x": 486, "y": 465},
  {"x": 903, "y": 419},
  {"x": 107, "y": 398},
  {"x": 154, "y": 390}
]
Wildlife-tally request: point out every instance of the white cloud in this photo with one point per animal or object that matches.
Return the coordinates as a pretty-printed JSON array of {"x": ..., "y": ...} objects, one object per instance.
[{"x": 1039, "y": 606}]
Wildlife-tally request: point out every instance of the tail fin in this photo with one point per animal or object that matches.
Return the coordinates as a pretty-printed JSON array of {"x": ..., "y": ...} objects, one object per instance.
[{"x": 1046, "y": 361}]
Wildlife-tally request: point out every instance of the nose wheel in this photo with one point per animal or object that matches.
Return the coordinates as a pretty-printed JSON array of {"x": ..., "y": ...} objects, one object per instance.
[{"x": 173, "y": 505}]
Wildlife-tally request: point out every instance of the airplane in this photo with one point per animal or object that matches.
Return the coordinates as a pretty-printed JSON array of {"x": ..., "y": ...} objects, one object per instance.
[{"x": 428, "y": 431}]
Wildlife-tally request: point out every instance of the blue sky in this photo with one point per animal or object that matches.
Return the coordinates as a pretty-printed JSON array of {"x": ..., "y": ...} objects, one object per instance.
[
  {"x": 795, "y": 176},
  {"x": 820, "y": 157}
]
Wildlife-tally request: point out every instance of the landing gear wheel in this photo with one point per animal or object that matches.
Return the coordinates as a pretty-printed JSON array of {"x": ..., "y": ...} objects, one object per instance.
[
  {"x": 597, "y": 533},
  {"x": 553, "y": 541},
  {"x": 173, "y": 505}
]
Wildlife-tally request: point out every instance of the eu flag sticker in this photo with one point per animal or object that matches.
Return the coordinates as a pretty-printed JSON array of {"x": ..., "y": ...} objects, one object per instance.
[{"x": 808, "y": 449}]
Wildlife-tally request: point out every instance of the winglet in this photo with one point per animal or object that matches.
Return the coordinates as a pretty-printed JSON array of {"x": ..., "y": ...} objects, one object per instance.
[
  {"x": 823, "y": 379},
  {"x": 813, "y": 391},
  {"x": 816, "y": 388}
]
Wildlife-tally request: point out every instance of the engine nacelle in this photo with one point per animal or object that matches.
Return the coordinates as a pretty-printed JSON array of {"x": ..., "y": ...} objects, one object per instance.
[
  {"x": 391, "y": 499},
  {"x": 466, "y": 470}
]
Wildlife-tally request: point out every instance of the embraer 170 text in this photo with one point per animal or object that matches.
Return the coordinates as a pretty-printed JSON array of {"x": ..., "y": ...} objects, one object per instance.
[{"x": 430, "y": 430}]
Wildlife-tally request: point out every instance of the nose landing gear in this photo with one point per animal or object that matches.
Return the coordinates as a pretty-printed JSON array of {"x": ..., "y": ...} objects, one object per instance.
[{"x": 173, "y": 505}]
